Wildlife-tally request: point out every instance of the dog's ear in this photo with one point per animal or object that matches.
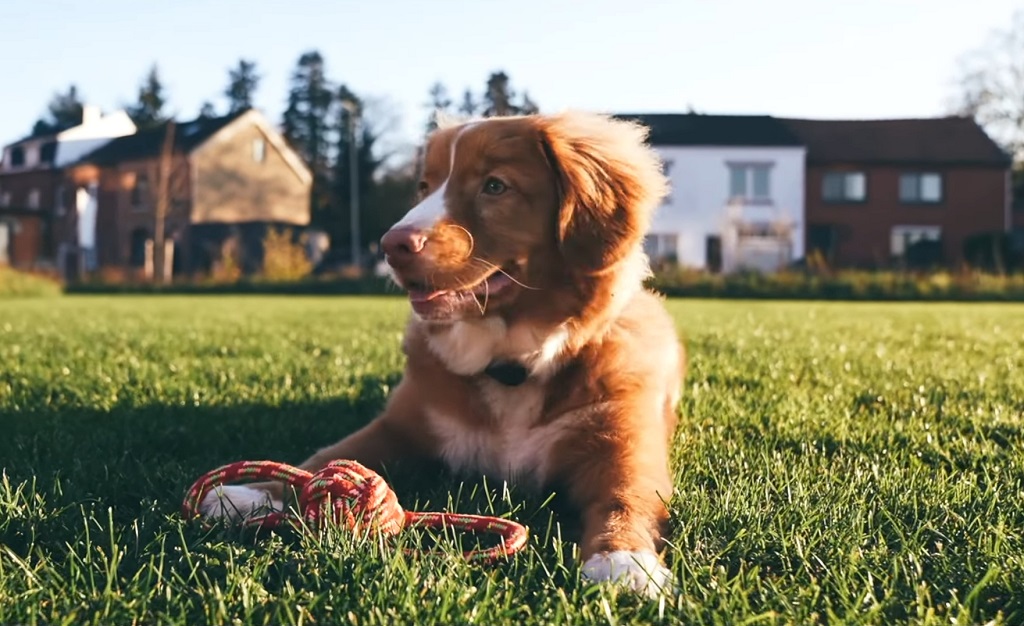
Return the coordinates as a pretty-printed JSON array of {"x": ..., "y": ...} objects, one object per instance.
[{"x": 610, "y": 182}]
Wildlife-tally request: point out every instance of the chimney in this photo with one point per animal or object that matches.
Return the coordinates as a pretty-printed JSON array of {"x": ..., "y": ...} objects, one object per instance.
[{"x": 90, "y": 114}]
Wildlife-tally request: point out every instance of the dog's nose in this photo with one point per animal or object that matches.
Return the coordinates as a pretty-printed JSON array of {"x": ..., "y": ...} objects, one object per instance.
[{"x": 401, "y": 245}]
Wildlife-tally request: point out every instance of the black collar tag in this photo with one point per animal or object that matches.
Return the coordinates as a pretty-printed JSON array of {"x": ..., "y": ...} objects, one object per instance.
[{"x": 508, "y": 373}]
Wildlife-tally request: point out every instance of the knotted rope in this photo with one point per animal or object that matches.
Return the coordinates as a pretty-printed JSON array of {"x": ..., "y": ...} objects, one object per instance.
[{"x": 355, "y": 497}]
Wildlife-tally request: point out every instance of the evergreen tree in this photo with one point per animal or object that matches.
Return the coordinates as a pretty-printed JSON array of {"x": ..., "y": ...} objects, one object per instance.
[
  {"x": 468, "y": 106},
  {"x": 242, "y": 83},
  {"x": 307, "y": 127},
  {"x": 439, "y": 102},
  {"x": 148, "y": 111},
  {"x": 64, "y": 111},
  {"x": 499, "y": 99},
  {"x": 207, "y": 110}
]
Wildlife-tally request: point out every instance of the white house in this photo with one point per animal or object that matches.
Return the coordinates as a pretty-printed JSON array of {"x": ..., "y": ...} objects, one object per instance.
[{"x": 737, "y": 191}]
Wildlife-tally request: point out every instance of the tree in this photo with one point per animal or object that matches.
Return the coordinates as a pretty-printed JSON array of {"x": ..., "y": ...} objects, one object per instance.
[
  {"x": 242, "y": 83},
  {"x": 307, "y": 127},
  {"x": 64, "y": 111},
  {"x": 207, "y": 110},
  {"x": 439, "y": 102},
  {"x": 991, "y": 85},
  {"x": 148, "y": 111},
  {"x": 499, "y": 98},
  {"x": 468, "y": 106}
]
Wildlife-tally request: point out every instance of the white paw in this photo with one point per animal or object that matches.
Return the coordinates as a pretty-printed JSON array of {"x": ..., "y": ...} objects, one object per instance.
[
  {"x": 641, "y": 571},
  {"x": 236, "y": 502}
]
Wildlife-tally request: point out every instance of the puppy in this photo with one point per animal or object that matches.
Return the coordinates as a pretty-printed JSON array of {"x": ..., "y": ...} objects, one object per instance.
[{"x": 533, "y": 352}]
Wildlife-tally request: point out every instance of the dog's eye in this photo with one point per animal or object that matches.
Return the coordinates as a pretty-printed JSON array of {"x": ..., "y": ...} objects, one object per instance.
[{"x": 494, "y": 187}]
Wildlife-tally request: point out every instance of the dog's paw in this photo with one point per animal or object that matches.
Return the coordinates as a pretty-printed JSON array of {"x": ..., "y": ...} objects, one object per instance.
[
  {"x": 236, "y": 502},
  {"x": 641, "y": 571}
]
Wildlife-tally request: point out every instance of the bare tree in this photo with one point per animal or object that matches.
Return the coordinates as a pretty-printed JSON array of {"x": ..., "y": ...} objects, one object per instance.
[{"x": 990, "y": 85}]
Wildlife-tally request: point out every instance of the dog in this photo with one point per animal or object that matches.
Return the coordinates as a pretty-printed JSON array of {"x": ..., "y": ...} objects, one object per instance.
[{"x": 533, "y": 352}]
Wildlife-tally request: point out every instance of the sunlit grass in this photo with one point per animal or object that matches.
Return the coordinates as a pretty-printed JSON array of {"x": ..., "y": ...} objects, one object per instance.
[{"x": 836, "y": 463}]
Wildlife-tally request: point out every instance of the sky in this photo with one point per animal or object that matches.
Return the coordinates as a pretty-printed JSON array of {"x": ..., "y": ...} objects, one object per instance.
[{"x": 798, "y": 58}]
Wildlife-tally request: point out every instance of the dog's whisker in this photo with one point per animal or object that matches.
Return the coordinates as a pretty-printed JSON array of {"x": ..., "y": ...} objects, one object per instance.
[{"x": 490, "y": 265}]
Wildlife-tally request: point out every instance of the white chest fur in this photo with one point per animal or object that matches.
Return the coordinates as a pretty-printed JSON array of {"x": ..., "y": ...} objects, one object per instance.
[{"x": 510, "y": 445}]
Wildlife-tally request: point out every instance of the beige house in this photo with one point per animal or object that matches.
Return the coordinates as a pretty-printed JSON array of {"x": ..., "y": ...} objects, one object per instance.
[{"x": 229, "y": 179}]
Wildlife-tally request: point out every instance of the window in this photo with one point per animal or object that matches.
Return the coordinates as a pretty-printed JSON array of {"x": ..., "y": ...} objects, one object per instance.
[
  {"x": 33, "y": 199},
  {"x": 921, "y": 188},
  {"x": 661, "y": 246},
  {"x": 750, "y": 181},
  {"x": 5, "y": 198},
  {"x": 903, "y": 237},
  {"x": 48, "y": 152},
  {"x": 17, "y": 156},
  {"x": 140, "y": 192},
  {"x": 844, "y": 187},
  {"x": 259, "y": 150}
]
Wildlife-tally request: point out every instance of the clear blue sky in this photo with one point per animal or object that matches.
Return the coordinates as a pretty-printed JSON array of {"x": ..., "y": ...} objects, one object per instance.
[{"x": 813, "y": 58}]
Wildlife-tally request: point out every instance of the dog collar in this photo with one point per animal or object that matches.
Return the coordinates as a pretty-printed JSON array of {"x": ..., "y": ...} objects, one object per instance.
[{"x": 508, "y": 373}]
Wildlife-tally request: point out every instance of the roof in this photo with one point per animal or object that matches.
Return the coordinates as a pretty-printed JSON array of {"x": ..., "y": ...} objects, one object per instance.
[
  {"x": 931, "y": 141},
  {"x": 148, "y": 143},
  {"x": 696, "y": 129}
]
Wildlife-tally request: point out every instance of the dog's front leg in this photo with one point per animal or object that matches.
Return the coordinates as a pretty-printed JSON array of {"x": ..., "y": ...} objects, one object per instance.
[{"x": 620, "y": 483}]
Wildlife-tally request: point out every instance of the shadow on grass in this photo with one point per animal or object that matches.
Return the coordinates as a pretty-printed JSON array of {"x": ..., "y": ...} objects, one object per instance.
[{"x": 139, "y": 461}]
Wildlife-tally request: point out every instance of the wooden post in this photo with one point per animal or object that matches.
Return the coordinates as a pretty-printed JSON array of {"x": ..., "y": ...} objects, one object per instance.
[{"x": 162, "y": 202}]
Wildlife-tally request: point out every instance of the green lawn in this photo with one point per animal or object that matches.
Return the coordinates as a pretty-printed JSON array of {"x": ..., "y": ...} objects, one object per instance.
[{"x": 839, "y": 463}]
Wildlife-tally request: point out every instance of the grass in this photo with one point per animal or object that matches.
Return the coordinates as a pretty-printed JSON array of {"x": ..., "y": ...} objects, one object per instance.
[{"x": 837, "y": 463}]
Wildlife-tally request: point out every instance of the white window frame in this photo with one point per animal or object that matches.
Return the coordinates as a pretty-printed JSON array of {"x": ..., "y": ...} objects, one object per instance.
[
  {"x": 661, "y": 245},
  {"x": 918, "y": 179},
  {"x": 747, "y": 194},
  {"x": 848, "y": 178}
]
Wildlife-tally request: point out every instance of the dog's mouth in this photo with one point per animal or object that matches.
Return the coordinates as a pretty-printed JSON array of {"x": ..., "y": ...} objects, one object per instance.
[{"x": 433, "y": 303}]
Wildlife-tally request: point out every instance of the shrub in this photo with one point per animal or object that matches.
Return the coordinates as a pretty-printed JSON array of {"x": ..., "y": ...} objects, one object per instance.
[
  {"x": 284, "y": 259},
  {"x": 23, "y": 284}
]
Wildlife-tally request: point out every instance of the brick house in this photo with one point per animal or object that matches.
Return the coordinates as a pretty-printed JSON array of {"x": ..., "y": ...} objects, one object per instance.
[
  {"x": 906, "y": 191},
  {"x": 230, "y": 179},
  {"x": 32, "y": 190}
]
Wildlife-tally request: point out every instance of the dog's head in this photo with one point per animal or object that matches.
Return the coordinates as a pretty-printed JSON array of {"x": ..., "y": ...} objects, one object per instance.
[{"x": 517, "y": 209}]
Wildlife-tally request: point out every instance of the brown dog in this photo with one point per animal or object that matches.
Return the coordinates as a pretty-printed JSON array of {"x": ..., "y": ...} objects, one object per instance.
[{"x": 534, "y": 352}]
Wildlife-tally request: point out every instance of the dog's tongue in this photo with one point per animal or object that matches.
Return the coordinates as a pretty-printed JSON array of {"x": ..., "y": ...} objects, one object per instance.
[{"x": 427, "y": 302}]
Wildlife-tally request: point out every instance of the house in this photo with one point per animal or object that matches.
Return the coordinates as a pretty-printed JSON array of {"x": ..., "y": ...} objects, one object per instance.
[
  {"x": 228, "y": 179},
  {"x": 737, "y": 191},
  {"x": 902, "y": 191},
  {"x": 32, "y": 190}
]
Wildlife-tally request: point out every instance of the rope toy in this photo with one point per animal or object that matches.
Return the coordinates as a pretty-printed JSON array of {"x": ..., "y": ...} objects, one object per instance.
[{"x": 355, "y": 497}]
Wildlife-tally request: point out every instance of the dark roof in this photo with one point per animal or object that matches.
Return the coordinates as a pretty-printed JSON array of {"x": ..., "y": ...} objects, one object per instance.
[
  {"x": 930, "y": 141},
  {"x": 695, "y": 129},
  {"x": 148, "y": 143}
]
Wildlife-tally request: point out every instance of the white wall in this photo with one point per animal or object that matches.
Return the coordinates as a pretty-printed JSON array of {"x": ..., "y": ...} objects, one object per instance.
[{"x": 696, "y": 206}]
